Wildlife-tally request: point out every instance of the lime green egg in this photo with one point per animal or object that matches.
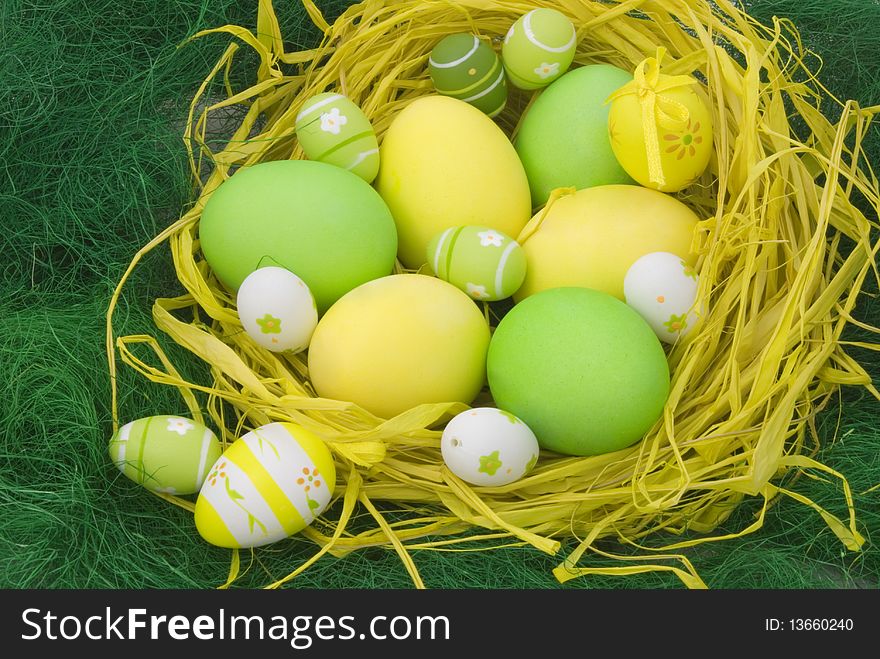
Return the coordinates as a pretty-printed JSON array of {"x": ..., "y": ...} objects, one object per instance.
[
  {"x": 165, "y": 453},
  {"x": 538, "y": 48},
  {"x": 323, "y": 223},
  {"x": 463, "y": 67},
  {"x": 581, "y": 368},
  {"x": 332, "y": 129},
  {"x": 563, "y": 138},
  {"x": 485, "y": 263}
]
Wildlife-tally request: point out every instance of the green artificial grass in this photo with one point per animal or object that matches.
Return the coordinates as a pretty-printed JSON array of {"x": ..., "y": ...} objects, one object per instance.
[{"x": 93, "y": 99}]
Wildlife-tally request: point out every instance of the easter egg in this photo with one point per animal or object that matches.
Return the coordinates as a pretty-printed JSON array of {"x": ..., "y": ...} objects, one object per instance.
[
  {"x": 592, "y": 237},
  {"x": 446, "y": 164},
  {"x": 488, "y": 446},
  {"x": 277, "y": 309},
  {"x": 563, "y": 138},
  {"x": 662, "y": 287},
  {"x": 269, "y": 484},
  {"x": 398, "y": 342},
  {"x": 484, "y": 263},
  {"x": 538, "y": 48},
  {"x": 677, "y": 137},
  {"x": 327, "y": 225},
  {"x": 581, "y": 368},
  {"x": 165, "y": 453},
  {"x": 463, "y": 67},
  {"x": 332, "y": 129}
]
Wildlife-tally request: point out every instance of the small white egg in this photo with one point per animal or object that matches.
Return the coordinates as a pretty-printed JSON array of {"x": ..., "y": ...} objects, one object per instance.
[
  {"x": 488, "y": 446},
  {"x": 277, "y": 309},
  {"x": 662, "y": 287}
]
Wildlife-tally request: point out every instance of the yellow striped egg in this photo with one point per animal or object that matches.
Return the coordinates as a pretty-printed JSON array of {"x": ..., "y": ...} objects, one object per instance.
[
  {"x": 271, "y": 483},
  {"x": 332, "y": 129},
  {"x": 165, "y": 453}
]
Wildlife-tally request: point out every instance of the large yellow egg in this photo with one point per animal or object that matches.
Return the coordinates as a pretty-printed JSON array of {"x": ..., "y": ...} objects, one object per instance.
[
  {"x": 592, "y": 237},
  {"x": 443, "y": 163},
  {"x": 400, "y": 341}
]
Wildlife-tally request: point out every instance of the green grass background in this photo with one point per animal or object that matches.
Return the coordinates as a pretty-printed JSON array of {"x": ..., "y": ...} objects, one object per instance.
[{"x": 93, "y": 96}]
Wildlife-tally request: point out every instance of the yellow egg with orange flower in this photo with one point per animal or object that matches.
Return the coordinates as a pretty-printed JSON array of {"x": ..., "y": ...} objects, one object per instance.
[{"x": 660, "y": 128}]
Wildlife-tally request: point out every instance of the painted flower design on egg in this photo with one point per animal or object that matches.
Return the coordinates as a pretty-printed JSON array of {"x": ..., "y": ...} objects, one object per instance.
[
  {"x": 306, "y": 481},
  {"x": 689, "y": 271},
  {"x": 490, "y": 239},
  {"x": 332, "y": 122},
  {"x": 510, "y": 417},
  {"x": 180, "y": 426},
  {"x": 217, "y": 472},
  {"x": 165, "y": 490},
  {"x": 269, "y": 324},
  {"x": 477, "y": 291},
  {"x": 489, "y": 464},
  {"x": 684, "y": 144},
  {"x": 676, "y": 323},
  {"x": 532, "y": 462},
  {"x": 547, "y": 70}
]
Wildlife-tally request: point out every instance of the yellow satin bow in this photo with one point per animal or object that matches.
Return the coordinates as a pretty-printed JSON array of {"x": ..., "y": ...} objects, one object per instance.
[{"x": 649, "y": 85}]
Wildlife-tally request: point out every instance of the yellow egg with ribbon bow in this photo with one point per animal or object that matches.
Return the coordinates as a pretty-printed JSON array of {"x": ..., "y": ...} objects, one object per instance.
[{"x": 660, "y": 127}]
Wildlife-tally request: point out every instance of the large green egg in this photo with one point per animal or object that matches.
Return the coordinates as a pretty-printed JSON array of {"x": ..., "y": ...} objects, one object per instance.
[
  {"x": 563, "y": 139},
  {"x": 584, "y": 371},
  {"x": 323, "y": 223}
]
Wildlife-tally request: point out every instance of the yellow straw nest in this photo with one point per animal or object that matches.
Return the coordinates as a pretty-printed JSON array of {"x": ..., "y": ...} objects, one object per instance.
[{"x": 783, "y": 255}]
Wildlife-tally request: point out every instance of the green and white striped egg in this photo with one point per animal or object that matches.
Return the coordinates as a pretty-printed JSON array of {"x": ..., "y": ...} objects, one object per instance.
[
  {"x": 466, "y": 68},
  {"x": 165, "y": 453},
  {"x": 538, "y": 48},
  {"x": 269, "y": 484},
  {"x": 332, "y": 129},
  {"x": 486, "y": 264}
]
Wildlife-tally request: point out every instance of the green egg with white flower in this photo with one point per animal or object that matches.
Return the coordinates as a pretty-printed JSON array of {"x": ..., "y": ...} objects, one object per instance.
[
  {"x": 485, "y": 263},
  {"x": 165, "y": 453},
  {"x": 538, "y": 48},
  {"x": 463, "y": 67},
  {"x": 332, "y": 129}
]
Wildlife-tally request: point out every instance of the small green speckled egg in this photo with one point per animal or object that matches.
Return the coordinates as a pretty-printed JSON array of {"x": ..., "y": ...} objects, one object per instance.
[
  {"x": 486, "y": 264},
  {"x": 466, "y": 68},
  {"x": 538, "y": 48},
  {"x": 165, "y": 453},
  {"x": 332, "y": 129}
]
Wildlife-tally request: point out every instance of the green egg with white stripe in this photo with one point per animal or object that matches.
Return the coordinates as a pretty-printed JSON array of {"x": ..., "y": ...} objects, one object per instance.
[
  {"x": 463, "y": 67},
  {"x": 486, "y": 264},
  {"x": 165, "y": 453},
  {"x": 269, "y": 484},
  {"x": 538, "y": 48},
  {"x": 332, "y": 129}
]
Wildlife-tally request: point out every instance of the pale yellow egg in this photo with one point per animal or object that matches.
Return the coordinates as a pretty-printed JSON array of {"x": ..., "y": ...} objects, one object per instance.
[
  {"x": 592, "y": 237},
  {"x": 398, "y": 342}
]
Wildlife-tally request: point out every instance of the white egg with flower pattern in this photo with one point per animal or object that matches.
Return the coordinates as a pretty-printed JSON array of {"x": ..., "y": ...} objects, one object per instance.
[
  {"x": 269, "y": 484},
  {"x": 662, "y": 287},
  {"x": 277, "y": 309},
  {"x": 488, "y": 446}
]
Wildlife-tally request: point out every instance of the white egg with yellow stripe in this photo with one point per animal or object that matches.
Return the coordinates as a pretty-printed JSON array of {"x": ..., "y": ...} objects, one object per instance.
[
  {"x": 332, "y": 129},
  {"x": 271, "y": 483},
  {"x": 170, "y": 454}
]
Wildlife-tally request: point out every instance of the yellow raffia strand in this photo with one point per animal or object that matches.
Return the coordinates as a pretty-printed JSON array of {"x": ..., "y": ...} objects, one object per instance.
[{"x": 747, "y": 383}]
